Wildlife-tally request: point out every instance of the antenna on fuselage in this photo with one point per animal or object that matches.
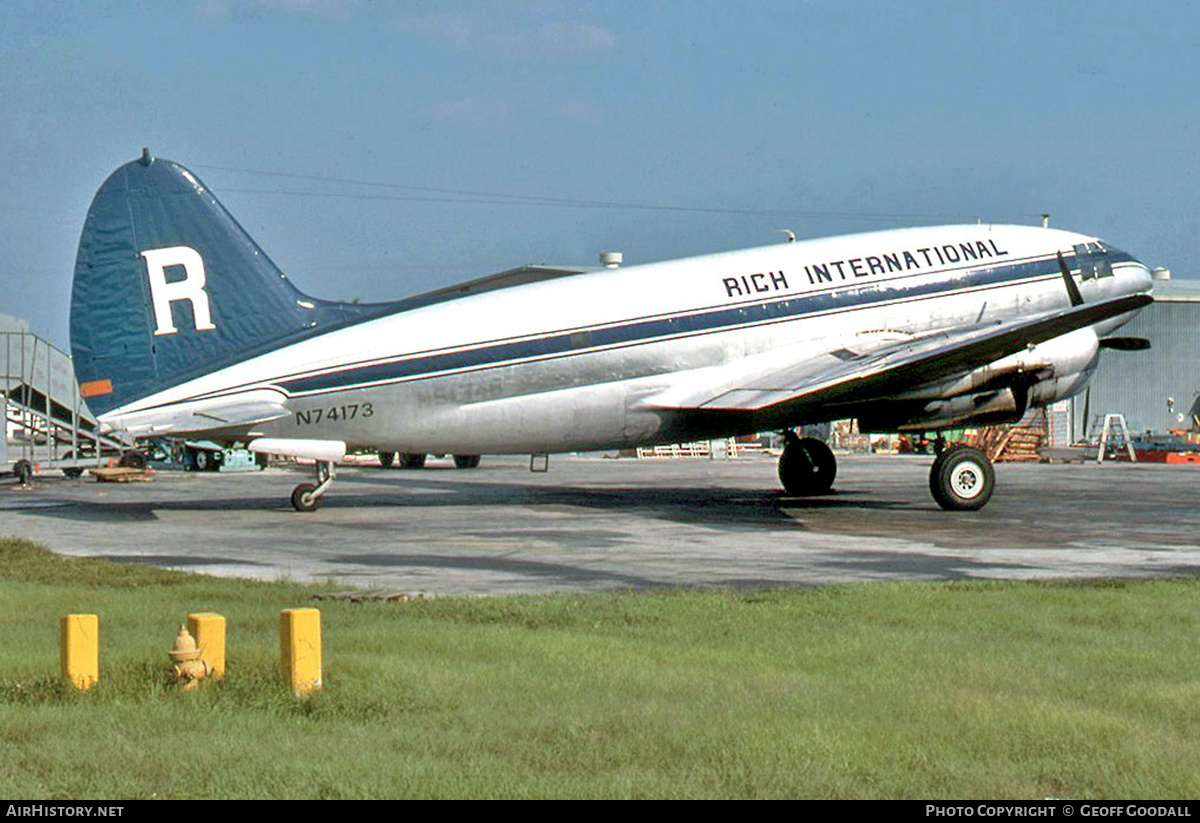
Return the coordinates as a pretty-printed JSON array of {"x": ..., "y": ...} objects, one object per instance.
[
  {"x": 1045, "y": 220},
  {"x": 791, "y": 235}
]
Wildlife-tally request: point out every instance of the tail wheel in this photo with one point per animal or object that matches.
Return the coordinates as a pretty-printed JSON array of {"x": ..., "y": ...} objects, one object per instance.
[
  {"x": 466, "y": 461},
  {"x": 412, "y": 461},
  {"x": 304, "y": 499},
  {"x": 386, "y": 459},
  {"x": 807, "y": 467},
  {"x": 962, "y": 479}
]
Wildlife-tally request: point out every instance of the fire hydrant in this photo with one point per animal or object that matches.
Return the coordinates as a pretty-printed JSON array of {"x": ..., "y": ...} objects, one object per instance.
[{"x": 186, "y": 657}]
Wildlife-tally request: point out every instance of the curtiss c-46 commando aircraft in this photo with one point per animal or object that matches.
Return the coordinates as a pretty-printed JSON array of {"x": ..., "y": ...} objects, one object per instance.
[{"x": 181, "y": 325}]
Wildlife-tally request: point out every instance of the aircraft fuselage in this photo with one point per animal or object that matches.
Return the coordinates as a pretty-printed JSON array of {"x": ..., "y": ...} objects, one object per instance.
[{"x": 582, "y": 362}]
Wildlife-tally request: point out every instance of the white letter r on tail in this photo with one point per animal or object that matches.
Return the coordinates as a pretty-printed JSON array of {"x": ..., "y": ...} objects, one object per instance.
[{"x": 190, "y": 288}]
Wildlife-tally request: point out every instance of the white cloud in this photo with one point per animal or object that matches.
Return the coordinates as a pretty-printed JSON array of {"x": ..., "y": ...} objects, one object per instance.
[
  {"x": 525, "y": 39},
  {"x": 224, "y": 9}
]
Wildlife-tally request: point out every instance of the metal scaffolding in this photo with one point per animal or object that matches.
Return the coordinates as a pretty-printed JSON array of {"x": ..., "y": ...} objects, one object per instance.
[{"x": 47, "y": 422}]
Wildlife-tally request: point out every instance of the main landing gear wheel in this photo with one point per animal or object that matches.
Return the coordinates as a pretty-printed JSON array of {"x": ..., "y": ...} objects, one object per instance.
[
  {"x": 466, "y": 461},
  {"x": 386, "y": 459},
  {"x": 962, "y": 479},
  {"x": 807, "y": 466},
  {"x": 306, "y": 497}
]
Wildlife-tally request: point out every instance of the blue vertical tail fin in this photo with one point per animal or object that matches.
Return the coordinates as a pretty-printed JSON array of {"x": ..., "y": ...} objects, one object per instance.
[{"x": 168, "y": 287}]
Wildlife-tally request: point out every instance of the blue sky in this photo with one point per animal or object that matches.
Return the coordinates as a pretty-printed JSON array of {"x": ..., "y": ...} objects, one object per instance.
[{"x": 709, "y": 125}]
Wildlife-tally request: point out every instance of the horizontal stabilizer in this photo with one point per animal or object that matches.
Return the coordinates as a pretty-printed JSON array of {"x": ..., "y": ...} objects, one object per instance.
[{"x": 232, "y": 411}]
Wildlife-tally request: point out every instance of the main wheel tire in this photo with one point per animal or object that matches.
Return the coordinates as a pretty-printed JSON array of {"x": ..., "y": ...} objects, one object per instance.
[
  {"x": 412, "y": 461},
  {"x": 303, "y": 499},
  {"x": 466, "y": 461},
  {"x": 807, "y": 467},
  {"x": 203, "y": 460},
  {"x": 962, "y": 479},
  {"x": 386, "y": 459}
]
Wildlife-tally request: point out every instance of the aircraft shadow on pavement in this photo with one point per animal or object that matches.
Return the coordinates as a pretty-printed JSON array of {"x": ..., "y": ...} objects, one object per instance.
[
  {"x": 707, "y": 505},
  {"x": 714, "y": 507}
]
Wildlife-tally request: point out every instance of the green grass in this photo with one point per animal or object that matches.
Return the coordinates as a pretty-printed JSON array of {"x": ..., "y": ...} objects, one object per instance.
[{"x": 898, "y": 690}]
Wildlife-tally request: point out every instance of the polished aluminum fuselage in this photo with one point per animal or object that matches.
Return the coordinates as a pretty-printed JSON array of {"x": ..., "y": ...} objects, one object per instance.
[{"x": 582, "y": 362}]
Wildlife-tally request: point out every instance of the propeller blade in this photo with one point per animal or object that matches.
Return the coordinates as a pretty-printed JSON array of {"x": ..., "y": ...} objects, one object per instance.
[
  {"x": 1072, "y": 289},
  {"x": 1125, "y": 343}
]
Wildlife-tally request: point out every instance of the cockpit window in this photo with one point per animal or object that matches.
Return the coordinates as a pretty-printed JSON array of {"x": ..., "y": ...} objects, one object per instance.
[
  {"x": 1093, "y": 260},
  {"x": 1116, "y": 255}
]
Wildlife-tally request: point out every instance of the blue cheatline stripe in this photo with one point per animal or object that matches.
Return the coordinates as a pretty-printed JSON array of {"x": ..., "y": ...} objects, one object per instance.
[{"x": 582, "y": 341}]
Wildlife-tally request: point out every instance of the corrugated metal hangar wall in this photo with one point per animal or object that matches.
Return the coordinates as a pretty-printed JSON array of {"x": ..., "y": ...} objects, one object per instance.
[{"x": 1158, "y": 389}]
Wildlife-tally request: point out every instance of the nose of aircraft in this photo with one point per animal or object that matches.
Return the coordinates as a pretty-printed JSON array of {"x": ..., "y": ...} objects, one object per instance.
[
  {"x": 1135, "y": 278},
  {"x": 1130, "y": 277}
]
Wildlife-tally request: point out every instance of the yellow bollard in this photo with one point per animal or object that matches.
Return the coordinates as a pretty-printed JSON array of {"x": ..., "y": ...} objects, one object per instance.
[
  {"x": 209, "y": 631},
  {"x": 79, "y": 649},
  {"x": 300, "y": 649}
]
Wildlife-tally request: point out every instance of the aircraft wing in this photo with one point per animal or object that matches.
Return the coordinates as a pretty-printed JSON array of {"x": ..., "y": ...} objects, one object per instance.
[
  {"x": 878, "y": 371},
  {"x": 242, "y": 409}
]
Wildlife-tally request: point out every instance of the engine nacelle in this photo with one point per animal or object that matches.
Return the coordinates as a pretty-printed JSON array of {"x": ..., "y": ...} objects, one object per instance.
[
  {"x": 979, "y": 409},
  {"x": 1064, "y": 366},
  {"x": 999, "y": 392}
]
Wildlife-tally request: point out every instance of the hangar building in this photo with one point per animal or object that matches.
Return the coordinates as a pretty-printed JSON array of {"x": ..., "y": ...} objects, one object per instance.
[{"x": 1156, "y": 390}]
